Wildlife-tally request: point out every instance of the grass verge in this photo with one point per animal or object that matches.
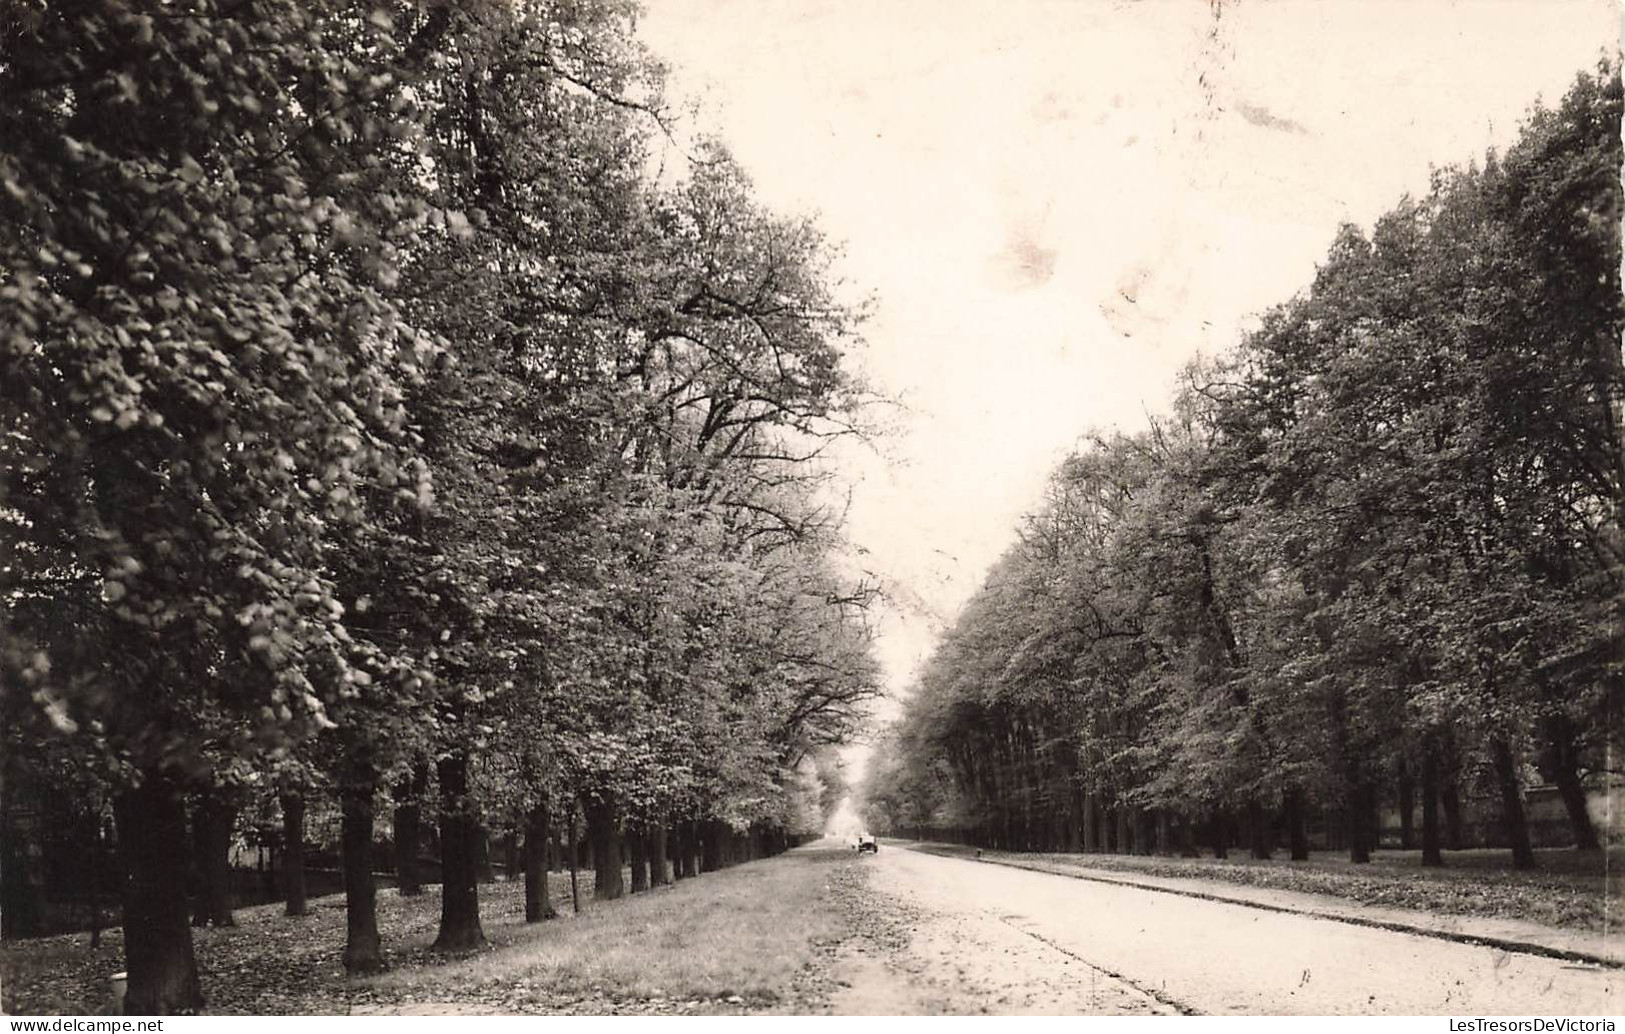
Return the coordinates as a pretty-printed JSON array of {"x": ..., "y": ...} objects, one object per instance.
[
  {"x": 744, "y": 932},
  {"x": 1569, "y": 890}
]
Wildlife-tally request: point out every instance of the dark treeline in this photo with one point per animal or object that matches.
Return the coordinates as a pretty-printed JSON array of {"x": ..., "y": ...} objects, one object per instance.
[
  {"x": 1372, "y": 559},
  {"x": 387, "y": 436}
]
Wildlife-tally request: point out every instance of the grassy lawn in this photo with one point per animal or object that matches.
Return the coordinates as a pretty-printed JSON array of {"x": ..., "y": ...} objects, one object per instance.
[
  {"x": 1570, "y": 890},
  {"x": 748, "y": 931}
]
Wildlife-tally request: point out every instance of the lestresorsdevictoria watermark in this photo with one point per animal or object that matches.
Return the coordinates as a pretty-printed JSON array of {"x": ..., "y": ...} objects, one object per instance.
[{"x": 1531, "y": 1025}]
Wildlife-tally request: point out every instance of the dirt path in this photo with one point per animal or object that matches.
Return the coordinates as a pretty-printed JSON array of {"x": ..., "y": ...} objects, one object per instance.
[
  {"x": 980, "y": 938},
  {"x": 913, "y": 956}
]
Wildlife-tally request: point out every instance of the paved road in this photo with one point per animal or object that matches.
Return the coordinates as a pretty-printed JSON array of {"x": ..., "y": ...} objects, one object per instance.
[{"x": 1199, "y": 956}]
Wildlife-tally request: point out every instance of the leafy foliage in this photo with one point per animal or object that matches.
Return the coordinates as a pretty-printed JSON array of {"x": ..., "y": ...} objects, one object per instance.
[
  {"x": 369, "y": 403},
  {"x": 1378, "y": 539}
]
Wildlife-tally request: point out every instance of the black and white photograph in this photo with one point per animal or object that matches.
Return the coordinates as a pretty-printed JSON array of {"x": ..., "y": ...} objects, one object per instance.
[{"x": 812, "y": 508}]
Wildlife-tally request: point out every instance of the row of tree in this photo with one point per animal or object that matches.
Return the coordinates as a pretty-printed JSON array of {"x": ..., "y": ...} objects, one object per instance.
[
  {"x": 381, "y": 412},
  {"x": 1374, "y": 555}
]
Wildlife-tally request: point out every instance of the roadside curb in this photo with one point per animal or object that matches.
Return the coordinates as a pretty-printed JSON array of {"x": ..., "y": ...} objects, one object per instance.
[{"x": 1481, "y": 940}]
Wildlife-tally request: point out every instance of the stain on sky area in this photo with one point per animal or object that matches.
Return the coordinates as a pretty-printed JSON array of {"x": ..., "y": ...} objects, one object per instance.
[
  {"x": 1141, "y": 297},
  {"x": 1051, "y": 108},
  {"x": 1025, "y": 262},
  {"x": 1263, "y": 117},
  {"x": 1121, "y": 308}
]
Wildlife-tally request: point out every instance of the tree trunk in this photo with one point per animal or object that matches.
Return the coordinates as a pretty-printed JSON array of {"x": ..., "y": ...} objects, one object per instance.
[
  {"x": 1560, "y": 759},
  {"x": 21, "y": 911},
  {"x": 1258, "y": 830},
  {"x": 1216, "y": 830},
  {"x": 293, "y": 853},
  {"x": 684, "y": 858},
  {"x": 1506, "y": 778},
  {"x": 1573, "y": 793},
  {"x": 710, "y": 846},
  {"x": 1430, "y": 807},
  {"x": 362, "y": 950},
  {"x": 637, "y": 851},
  {"x": 484, "y": 871},
  {"x": 1407, "y": 807},
  {"x": 538, "y": 906},
  {"x": 1187, "y": 836},
  {"x": 157, "y": 942},
  {"x": 213, "y": 824},
  {"x": 1074, "y": 820},
  {"x": 409, "y": 830},
  {"x": 603, "y": 829},
  {"x": 1297, "y": 827},
  {"x": 1359, "y": 822},
  {"x": 1373, "y": 812},
  {"x": 510, "y": 854},
  {"x": 575, "y": 885},
  {"x": 659, "y": 867},
  {"x": 98, "y": 882},
  {"x": 1145, "y": 831},
  {"x": 1455, "y": 834},
  {"x": 460, "y": 840}
]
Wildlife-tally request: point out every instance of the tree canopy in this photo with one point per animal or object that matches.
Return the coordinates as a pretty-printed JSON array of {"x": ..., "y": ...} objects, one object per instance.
[
  {"x": 1375, "y": 545},
  {"x": 371, "y": 404}
]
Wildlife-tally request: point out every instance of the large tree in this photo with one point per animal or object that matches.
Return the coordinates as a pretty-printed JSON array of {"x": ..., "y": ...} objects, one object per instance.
[
  {"x": 201, "y": 369},
  {"x": 1375, "y": 545}
]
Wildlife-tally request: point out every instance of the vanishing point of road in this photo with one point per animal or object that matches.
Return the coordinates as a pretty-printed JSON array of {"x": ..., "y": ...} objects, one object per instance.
[{"x": 1003, "y": 940}]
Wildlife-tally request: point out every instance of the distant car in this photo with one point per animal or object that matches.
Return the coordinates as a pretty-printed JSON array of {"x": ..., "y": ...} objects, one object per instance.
[{"x": 868, "y": 843}]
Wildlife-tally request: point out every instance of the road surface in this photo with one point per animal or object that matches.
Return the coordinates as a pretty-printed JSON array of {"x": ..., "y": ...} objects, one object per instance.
[{"x": 968, "y": 937}]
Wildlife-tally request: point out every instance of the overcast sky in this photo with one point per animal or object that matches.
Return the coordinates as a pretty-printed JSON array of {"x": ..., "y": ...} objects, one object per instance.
[{"x": 1056, "y": 203}]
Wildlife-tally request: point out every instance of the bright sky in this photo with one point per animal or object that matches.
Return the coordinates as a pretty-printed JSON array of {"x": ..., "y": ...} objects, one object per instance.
[{"x": 1056, "y": 203}]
